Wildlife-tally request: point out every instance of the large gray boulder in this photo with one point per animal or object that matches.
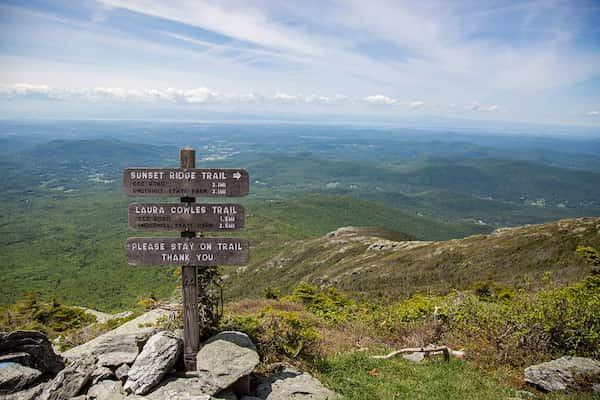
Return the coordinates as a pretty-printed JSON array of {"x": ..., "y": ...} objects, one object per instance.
[
  {"x": 225, "y": 358},
  {"x": 32, "y": 349},
  {"x": 136, "y": 331},
  {"x": 566, "y": 374},
  {"x": 290, "y": 384},
  {"x": 15, "y": 377},
  {"x": 157, "y": 358},
  {"x": 116, "y": 350},
  {"x": 70, "y": 381}
]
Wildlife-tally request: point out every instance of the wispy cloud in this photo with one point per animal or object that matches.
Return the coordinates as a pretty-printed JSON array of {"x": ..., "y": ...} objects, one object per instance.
[
  {"x": 200, "y": 95},
  {"x": 383, "y": 54}
]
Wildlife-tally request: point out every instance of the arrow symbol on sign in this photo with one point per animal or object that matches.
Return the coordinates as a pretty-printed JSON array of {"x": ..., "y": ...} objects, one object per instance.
[{"x": 237, "y": 175}]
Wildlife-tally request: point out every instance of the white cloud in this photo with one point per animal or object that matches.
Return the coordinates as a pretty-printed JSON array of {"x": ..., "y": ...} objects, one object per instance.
[
  {"x": 476, "y": 106},
  {"x": 248, "y": 24},
  {"x": 416, "y": 104},
  {"x": 200, "y": 95},
  {"x": 593, "y": 113},
  {"x": 381, "y": 99}
]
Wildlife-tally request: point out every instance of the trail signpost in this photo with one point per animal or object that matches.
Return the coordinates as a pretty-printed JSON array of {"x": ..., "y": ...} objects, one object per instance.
[
  {"x": 187, "y": 217},
  {"x": 195, "y": 217}
]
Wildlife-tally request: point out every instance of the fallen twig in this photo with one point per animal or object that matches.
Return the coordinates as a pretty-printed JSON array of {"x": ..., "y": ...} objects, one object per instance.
[{"x": 429, "y": 349}]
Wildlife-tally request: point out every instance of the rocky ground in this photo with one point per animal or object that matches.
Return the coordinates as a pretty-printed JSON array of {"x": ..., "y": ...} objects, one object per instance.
[{"x": 138, "y": 361}]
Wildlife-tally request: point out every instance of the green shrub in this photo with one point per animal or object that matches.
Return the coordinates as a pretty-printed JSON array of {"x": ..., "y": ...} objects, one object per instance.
[
  {"x": 331, "y": 304},
  {"x": 277, "y": 334},
  {"x": 271, "y": 293},
  {"x": 52, "y": 318},
  {"x": 527, "y": 328}
]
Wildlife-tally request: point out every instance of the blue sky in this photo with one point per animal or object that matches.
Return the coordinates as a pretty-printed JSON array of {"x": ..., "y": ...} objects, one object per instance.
[{"x": 535, "y": 61}]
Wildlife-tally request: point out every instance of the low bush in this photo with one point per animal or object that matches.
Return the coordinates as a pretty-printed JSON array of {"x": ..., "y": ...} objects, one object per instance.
[
  {"x": 32, "y": 313},
  {"x": 277, "y": 334}
]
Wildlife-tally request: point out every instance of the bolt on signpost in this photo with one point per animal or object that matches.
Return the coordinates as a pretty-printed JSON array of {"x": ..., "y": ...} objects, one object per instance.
[{"x": 187, "y": 217}]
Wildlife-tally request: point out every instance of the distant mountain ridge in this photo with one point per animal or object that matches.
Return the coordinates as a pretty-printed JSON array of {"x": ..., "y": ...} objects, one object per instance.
[{"x": 367, "y": 263}]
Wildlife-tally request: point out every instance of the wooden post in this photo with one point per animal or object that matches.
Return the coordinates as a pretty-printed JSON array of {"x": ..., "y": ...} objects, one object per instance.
[{"x": 189, "y": 284}]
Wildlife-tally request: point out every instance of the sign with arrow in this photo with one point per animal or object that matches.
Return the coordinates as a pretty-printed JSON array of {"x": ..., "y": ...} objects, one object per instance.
[{"x": 180, "y": 182}]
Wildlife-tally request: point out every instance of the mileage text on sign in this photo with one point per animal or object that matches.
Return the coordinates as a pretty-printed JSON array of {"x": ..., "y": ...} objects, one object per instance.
[
  {"x": 193, "y": 217},
  {"x": 179, "y": 182},
  {"x": 186, "y": 251}
]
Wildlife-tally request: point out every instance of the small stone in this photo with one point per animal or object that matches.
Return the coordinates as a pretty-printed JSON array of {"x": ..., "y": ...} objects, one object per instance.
[
  {"x": 106, "y": 390},
  {"x": 291, "y": 384},
  {"x": 181, "y": 388},
  {"x": 416, "y": 357},
  {"x": 15, "y": 377},
  {"x": 122, "y": 372},
  {"x": 100, "y": 374}
]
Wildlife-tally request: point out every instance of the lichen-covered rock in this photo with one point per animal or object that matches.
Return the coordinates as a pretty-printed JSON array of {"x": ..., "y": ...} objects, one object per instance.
[
  {"x": 36, "y": 345},
  {"x": 117, "y": 350},
  {"x": 70, "y": 381},
  {"x": 15, "y": 377},
  {"x": 137, "y": 331},
  {"x": 290, "y": 384},
  {"x": 157, "y": 358},
  {"x": 32, "y": 393},
  {"x": 186, "y": 387},
  {"x": 564, "y": 374},
  {"x": 225, "y": 358},
  {"x": 106, "y": 390}
]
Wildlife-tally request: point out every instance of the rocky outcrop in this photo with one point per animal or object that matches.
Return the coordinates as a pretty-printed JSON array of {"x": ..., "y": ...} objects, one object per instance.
[
  {"x": 158, "y": 357},
  {"x": 566, "y": 374},
  {"x": 225, "y": 365},
  {"x": 15, "y": 377},
  {"x": 291, "y": 384},
  {"x": 70, "y": 381},
  {"x": 138, "y": 329},
  {"x": 32, "y": 349},
  {"x": 225, "y": 358}
]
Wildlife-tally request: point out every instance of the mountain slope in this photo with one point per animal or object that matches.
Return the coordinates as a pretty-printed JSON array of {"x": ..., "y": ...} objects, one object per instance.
[{"x": 362, "y": 262}]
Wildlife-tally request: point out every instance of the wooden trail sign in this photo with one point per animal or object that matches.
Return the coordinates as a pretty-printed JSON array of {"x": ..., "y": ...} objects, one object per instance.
[
  {"x": 185, "y": 182},
  {"x": 187, "y": 217},
  {"x": 202, "y": 252},
  {"x": 195, "y": 217}
]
